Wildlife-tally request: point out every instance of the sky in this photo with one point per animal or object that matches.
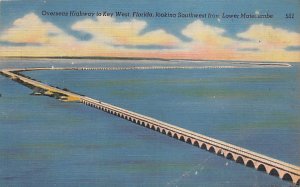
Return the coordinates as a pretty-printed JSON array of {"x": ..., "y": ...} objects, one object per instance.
[{"x": 27, "y": 29}]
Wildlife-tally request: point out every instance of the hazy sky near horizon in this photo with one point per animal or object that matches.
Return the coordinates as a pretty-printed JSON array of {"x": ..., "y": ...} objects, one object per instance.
[{"x": 27, "y": 29}]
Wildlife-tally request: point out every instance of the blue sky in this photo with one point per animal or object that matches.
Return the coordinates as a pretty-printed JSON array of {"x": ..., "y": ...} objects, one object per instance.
[{"x": 13, "y": 10}]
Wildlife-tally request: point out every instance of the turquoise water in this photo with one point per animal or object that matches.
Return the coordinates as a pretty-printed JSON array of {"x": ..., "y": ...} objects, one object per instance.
[{"x": 46, "y": 142}]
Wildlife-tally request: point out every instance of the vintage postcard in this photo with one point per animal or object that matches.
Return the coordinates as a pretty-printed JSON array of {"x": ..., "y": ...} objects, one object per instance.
[{"x": 149, "y": 93}]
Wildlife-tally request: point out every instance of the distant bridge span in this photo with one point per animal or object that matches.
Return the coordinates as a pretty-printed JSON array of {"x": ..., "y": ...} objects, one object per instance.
[{"x": 240, "y": 155}]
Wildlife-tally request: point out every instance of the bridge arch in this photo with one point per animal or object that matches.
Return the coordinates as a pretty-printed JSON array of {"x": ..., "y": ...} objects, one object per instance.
[
  {"x": 261, "y": 167},
  {"x": 250, "y": 164},
  {"x": 196, "y": 143},
  {"x": 240, "y": 160},
  {"x": 175, "y": 136},
  {"x": 203, "y": 146},
  {"x": 153, "y": 127},
  {"x": 182, "y": 138},
  {"x": 287, "y": 177},
  {"x": 298, "y": 182},
  {"x": 150, "y": 125},
  {"x": 189, "y": 141},
  {"x": 229, "y": 156},
  {"x": 212, "y": 149},
  {"x": 158, "y": 129},
  {"x": 170, "y": 134},
  {"x": 164, "y": 131},
  {"x": 220, "y": 152},
  {"x": 274, "y": 172}
]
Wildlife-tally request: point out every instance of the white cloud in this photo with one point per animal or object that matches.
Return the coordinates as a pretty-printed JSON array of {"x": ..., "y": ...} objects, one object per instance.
[
  {"x": 112, "y": 38},
  {"x": 206, "y": 35},
  {"x": 30, "y": 29},
  {"x": 108, "y": 30},
  {"x": 266, "y": 37}
]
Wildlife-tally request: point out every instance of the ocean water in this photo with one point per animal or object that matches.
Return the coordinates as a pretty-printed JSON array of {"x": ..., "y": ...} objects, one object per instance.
[{"x": 46, "y": 142}]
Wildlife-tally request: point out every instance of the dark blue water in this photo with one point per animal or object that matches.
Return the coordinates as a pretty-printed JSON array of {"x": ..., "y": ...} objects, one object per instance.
[{"x": 46, "y": 142}]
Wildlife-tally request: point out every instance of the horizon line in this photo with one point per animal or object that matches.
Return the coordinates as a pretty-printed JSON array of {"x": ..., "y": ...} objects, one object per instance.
[{"x": 132, "y": 58}]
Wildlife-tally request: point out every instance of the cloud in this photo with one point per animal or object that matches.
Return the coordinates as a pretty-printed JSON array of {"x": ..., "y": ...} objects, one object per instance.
[
  {"x": 263, "y": 36},
  {"x": 207, "y": 42},
  {"x": 127, "y": 33},
  {"x": 272, "y": 43},
  {"x": 206, "y": 35},
  {"x": 31, "y": 29},
  {"x": 109, "y": 38},
  {"x": 31, "y": 36},
  {"x": 260, "y": 43}
]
